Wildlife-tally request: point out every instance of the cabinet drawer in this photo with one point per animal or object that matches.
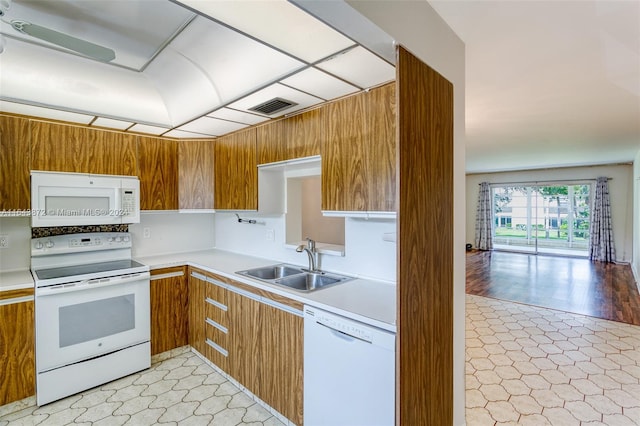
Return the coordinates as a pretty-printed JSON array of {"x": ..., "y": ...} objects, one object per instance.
[
  {"x": 216, "y": 333},
  {"x": 217, "y": 293},
  {"x": 216, "y": 312},
  {"x": 217, "y": 355}
]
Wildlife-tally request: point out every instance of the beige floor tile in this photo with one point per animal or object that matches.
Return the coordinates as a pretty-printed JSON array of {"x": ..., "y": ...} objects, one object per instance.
[
  {"x": 533, "y": 420},
  {"x": 622, "y": 398},
  {"x": 98, "y": 412},
  {"x": 507, "y": 372},
  {"x": 525, "y": 404},
  {"x": 146, "y": 417},
  {"x": 475, "y": 398},
  {"x": 135, "y": 405},
  {"x": 494, "y": 393},
  {"x": 488, "y": 377},
  {"x": 622, "y": 377},
  {"x": 619, "y": 420},
  {"x": 63, "y": 417},
  {"x": 547, "y": 398},
  {"x": 582, "y": 411},
  {"x": 535, "y": 381},
  {"x": 256, "y": 413},
  {"x": 212, "y": 405},
  {"x": 90, "y": 399},
  {"x": 516, "y": 387},
  {"x": 587, "y": 387},
  {"x": 178, "y": 412},
  {"x": 526, "y": 367},
  {"x": 605, "y": 382},
  {"x": 554, "y": 377},
  {"x": 229, "y": 416},
  {"x": 112, "y": 421},
  {"x": 502, "y": 411},
  {"x": 560, "y": 416},
  {"x": 603, "y": 404}
]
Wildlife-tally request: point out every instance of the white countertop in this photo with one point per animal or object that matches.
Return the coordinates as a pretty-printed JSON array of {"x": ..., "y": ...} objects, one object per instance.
[
  {"x": 372, "y": 302},
  {"x": 15, "y": 280}
]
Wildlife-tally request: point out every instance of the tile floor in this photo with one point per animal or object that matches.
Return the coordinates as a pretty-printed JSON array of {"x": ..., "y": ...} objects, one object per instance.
[
  {"x": 527, "y": 365},
  {"x": 524, "y": 366},
  {"x": 182, "y": 390}
]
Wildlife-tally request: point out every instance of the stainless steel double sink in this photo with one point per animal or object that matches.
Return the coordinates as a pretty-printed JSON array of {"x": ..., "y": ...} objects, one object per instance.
[{"x": 294, "y": 277}]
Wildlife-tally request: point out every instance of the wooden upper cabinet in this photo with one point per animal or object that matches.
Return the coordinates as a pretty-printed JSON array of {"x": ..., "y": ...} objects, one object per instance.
[
  {"x": 359, "y": 152},
  {"x": 195, "y": 174},
  {"x": 14, "y": 166},
  {"x": 345, "y": 174},
  {"x": 236, "y": 174},
  {"x": 304, "y": 133},
  {"x": 271, "y": 142},
  {"x": 290, "y": 138},
  {"x": 380, "y": 137},
  {"x": 66, "y": 148},
  {"x": 158, "y": 173}
]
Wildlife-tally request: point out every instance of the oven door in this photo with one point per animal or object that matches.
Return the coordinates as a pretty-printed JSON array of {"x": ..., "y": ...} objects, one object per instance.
[{"x": 82, "y": 320}]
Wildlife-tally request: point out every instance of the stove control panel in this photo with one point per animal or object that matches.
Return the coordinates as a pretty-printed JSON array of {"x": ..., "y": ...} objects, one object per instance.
[{"x": 76, "y": 243}]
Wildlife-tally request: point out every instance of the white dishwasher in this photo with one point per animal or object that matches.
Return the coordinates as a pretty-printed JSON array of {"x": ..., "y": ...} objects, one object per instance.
[{"x": 349, "y": 372}]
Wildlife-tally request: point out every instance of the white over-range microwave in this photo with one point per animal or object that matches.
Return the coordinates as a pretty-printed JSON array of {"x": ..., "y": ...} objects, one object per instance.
[{"x": 76, "y": 199}]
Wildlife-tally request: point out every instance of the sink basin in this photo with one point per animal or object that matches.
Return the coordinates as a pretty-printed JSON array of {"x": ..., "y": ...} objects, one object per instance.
[
  {"x": 294, "y": 277},
  {"x": 308, "y": 281},
  {"x": 271, "y": 272}
]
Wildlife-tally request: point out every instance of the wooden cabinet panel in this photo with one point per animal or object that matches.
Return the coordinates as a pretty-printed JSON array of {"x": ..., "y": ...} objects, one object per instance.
[
  {"x": 359, "y": 152},
  {"x": 195, "y": 174},
  {"x": 380, "y": 136},
  {"x": 304, "y": 133},
  {"x": 158, "y": 173},
  {"x": 344, "y": 169},
  {"x": 281, "y": 359},
  {"x": 244, "y": 332},
  {"x": 14, "y": 168},
  {"x": 17, "y": 361},
  {"x": 65, "y": 148},
  {"x": 169, "y": 304},
  {"x": 197, "y": 314},
  {"x": 271, "y": 142},
  {"x": 236, "y": 174}
]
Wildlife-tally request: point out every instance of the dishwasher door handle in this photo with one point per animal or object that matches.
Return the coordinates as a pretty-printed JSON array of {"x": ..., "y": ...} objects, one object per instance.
[{"x": 342, "y": 335}]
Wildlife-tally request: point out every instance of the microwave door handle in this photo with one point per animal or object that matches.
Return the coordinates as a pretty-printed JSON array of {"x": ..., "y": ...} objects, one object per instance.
[{"x": 118, "y": 202}]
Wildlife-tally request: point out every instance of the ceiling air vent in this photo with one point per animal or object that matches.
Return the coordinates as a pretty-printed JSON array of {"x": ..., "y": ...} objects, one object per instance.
[{"x": 272, "y": 106}]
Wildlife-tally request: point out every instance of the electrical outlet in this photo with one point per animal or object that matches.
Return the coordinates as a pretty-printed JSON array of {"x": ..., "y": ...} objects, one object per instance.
[
  {"x": 146, "y": 232},
  {"x": 4, "y": 241},
  {"x": 271, "y": 235}
]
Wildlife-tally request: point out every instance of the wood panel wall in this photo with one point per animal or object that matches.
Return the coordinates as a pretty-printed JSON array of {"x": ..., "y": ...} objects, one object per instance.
[
  {"x": 15, "y": 163},
  {"x": 424, "y": 394}
]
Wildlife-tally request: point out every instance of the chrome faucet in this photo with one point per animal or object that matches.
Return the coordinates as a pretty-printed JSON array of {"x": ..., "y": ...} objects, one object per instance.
[{"x": 311, "y": 251}]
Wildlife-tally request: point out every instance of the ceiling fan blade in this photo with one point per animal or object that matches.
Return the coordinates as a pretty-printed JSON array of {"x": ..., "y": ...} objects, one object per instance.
[{"x": 84, "y": 47}]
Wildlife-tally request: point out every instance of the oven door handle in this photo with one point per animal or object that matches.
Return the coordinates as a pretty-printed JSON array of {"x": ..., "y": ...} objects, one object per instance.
[{"x": 92, "y": 284}]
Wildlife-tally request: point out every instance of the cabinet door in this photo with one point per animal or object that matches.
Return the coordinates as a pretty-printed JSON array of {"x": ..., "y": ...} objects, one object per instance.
[
  {"x": 158, "y": 173},
  {"x": 304, "y": 133},
  {"x": 14, "y": 167},
  {"x": 271, "y": 142},
  {"x": 197, "y": 313},
  {"x": 344, "y": 170},
  {"x": 281, "y": 359},
  {"x": 17, "y": 362},
  {"x": 236, "y": 174},
  {"x": 65, "y": 148},
  {"x": 244, "y": 354},
  {"x": 195, "y": 174},
  {"x": 169, "y": 305},
  {"x": 380, "y": 135}
]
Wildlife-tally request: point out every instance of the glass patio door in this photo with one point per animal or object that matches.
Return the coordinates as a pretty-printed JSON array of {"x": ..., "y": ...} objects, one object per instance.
[{"x": 542, "y": 218}]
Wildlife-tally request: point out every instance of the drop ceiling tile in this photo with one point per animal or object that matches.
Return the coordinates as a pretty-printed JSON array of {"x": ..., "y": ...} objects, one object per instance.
[
  {"x": 320, "y": 84},
  {"x": 278, "y": 23},
  {"x": 233, "y": 63},
  {"x": 360, "y": 67},
  {"x": 276, "y": 90},
  {"x": 111, "y": 123},
  {"x": 211, "y": 126},
  {"x": 237, "y": 116},
  {"x": 134, "y": 30},
  {"x": 144, "y": 128},
  {"x": 37, "y": 111}
]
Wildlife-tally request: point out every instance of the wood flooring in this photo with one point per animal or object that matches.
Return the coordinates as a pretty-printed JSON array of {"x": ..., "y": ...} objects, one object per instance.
[{"x": 601, "y": 290}]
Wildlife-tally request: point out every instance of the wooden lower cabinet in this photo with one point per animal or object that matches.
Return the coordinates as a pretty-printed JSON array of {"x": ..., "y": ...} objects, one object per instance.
[
  {"x": 256, "y": 340},
  {"x": 17, "y": 349},
  {"x": 169, "y": 297}
]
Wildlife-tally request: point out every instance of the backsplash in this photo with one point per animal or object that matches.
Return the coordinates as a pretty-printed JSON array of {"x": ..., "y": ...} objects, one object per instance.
[{"x": 64, "y": 230}]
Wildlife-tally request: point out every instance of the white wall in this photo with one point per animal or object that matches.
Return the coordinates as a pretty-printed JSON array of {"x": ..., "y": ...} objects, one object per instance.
[
  {"x": 18, "y": 255},
  {"x": 417, "y": 26},
  {"x": 635, "y": 264},
  {"x": 366, "y": 254},
  {"x": 620, "y": 191},
  {"x": 172, "y": 232}
]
